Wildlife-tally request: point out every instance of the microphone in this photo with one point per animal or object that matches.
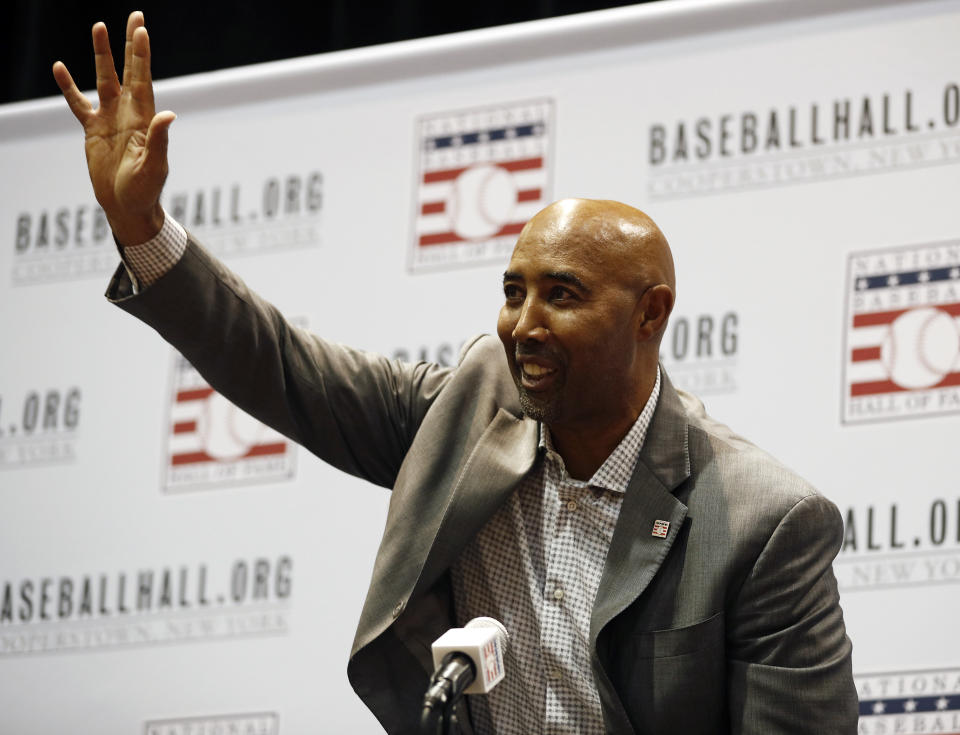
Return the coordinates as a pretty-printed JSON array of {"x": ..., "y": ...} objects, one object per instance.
[
  {"x": 479, "y": 648},
  {"x": 466, "y": 660}
]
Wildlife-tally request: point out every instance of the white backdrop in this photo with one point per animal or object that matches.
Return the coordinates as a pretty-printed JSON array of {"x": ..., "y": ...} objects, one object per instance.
[{"x": 167, "y": 566}]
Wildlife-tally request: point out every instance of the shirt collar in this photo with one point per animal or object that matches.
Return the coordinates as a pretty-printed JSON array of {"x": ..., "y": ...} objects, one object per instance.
[{"x": 617, "y": 469}]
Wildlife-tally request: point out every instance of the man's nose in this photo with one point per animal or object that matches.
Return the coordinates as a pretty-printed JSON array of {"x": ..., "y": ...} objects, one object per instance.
[{"x": 530, "y": 324}]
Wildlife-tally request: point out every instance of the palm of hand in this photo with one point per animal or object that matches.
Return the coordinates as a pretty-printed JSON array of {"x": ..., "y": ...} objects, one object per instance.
[
  {"x": 126, "y": 142},
  {"x": 115, "y": 147}
]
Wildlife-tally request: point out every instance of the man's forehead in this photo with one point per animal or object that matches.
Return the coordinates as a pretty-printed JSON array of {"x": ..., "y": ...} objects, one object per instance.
[
  {"x": 533, "y": 257},
  {"x": 538, "y": 252}
]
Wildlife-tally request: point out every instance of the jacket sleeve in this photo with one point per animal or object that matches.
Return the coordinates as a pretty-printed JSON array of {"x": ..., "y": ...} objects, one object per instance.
[
  {"x": 356, "y": 410},
  {"x": 789, "y": 667}
]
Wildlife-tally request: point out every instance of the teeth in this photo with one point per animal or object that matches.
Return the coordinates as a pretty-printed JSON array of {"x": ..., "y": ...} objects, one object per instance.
[{"x": 535, "y": 371}]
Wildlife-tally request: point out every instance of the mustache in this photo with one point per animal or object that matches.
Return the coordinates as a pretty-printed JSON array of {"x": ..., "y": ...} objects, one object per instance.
[{"x": 536, "y": 350}]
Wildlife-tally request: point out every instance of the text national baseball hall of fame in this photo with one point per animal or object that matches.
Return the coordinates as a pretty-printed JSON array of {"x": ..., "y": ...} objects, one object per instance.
[{"x": 902, "y": 336}]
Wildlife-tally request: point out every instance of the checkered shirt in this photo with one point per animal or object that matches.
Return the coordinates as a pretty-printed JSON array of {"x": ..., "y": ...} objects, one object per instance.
[
  {"x": 148, "y": 261},
  {"x": 536, "y": 566}
]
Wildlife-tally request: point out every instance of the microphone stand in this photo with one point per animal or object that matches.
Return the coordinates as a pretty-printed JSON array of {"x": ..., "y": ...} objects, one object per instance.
[{"x": 446, "y": 688}]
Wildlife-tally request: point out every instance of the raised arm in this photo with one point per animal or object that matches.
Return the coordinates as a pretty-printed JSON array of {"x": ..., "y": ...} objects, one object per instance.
[
  {"x": 357, "y": 411},
  {"x": 126, "y": 139}
]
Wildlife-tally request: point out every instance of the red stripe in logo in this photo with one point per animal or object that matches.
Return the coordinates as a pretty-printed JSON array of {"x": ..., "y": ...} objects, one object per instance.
[
  {"x": 442, "y": 238},
  {"x": 887, "y": 317},
  {"x": 194, "y": 395},
  {"x": 876, "y": 387},
  {"x": 529, "y": 195},
  {"x": 862, "y": 354},
  {"x": 433, "y": 207}
]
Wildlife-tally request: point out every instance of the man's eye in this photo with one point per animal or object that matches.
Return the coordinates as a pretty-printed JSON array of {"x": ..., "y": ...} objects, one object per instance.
[
  {"x": 511, "y": 292},
  {"x": 559, "y": 293}
]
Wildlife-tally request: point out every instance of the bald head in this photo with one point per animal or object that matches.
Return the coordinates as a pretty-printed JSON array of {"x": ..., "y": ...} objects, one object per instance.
[{"x": 609, "y": 233}]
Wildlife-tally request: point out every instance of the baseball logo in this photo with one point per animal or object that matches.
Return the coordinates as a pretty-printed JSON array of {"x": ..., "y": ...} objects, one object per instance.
[
  {"x": 903, "y": 333},
  {"x": 483, "y": 199},
  {"x": 920, "y": 348},
  {"x": 481, "y": 175},
  {"x": 213, "y": 442},
  {"x": 226, "y": 432}
]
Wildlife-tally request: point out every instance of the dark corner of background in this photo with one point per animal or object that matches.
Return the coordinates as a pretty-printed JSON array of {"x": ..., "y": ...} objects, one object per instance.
[{"x": 191, "y": 37}]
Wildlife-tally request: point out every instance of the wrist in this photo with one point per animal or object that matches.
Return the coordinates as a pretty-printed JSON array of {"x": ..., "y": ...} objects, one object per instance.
[{"x": 131, "y": 230}]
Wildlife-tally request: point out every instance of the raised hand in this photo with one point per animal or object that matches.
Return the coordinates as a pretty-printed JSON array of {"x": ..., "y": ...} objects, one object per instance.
[{"x": 126, "y": 139}]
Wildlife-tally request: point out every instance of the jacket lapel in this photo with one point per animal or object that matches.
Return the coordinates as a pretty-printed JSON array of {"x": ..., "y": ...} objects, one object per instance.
[
  {"x": 505, "y": 453},
  {"x": 432, "y": 539},
  {"x": 635, "y": 552}
]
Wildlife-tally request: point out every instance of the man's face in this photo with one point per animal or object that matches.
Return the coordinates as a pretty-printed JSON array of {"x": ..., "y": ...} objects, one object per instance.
[{"x": 568, "y": 326}]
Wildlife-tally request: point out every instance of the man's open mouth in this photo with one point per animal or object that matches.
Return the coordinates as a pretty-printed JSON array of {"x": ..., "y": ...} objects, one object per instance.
[
  {"x": 536, "y": 371},
  {"x": 534, "y": 376}
]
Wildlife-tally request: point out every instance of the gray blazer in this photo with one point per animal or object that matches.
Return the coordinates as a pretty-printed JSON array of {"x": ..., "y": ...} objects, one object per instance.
[{"x": 730, "y": 624}]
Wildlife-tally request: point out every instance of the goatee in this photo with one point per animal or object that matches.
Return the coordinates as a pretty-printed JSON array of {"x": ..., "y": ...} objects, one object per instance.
[{"x": 537, "y": 410}]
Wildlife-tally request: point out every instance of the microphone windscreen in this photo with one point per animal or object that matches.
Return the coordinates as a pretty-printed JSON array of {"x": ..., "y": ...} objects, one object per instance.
[{"x": 484, "y": 641}]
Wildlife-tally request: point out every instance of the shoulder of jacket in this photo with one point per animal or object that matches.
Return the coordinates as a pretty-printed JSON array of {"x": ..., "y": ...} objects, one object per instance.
[
  {"x": 753, "y": 474},
  {"x": 479, "y": 347}
]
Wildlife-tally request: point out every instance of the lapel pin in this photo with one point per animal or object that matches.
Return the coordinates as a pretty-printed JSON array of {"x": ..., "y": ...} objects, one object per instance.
[{"x": 660, "y": 528}]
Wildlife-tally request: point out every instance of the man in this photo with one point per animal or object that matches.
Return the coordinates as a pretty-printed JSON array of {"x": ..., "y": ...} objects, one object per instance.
[{"x": 657, "y": 573}]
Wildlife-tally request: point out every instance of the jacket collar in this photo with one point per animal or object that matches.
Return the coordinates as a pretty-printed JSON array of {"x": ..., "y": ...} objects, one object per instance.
[
  {"x": 503, "y": 456},
  {"x": 636, "y": 553}
]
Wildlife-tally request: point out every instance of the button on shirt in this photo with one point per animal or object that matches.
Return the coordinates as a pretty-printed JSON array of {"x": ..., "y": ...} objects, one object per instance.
[{"x": 536, "y": 567}]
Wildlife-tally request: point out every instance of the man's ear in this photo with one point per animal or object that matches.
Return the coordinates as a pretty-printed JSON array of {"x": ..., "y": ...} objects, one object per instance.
[{"x": 655, "y": 307}]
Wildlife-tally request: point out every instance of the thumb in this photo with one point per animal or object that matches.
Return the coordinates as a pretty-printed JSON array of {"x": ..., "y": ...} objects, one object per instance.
[{"x": 155, "y": 147}]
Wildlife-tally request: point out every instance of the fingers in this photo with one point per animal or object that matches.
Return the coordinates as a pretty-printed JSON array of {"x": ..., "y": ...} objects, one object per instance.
[
  {"x": 140, "y": 83},
  {"x": 79, "y": 105},
  {"x": 108, "y": 86},
  {"x": 133, "y": 22},
  {"x": 155, "y": 147}
]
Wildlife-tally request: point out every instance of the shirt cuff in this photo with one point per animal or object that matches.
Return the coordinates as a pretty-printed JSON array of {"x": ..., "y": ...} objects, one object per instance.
[{"x": 147, "y": 262}]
